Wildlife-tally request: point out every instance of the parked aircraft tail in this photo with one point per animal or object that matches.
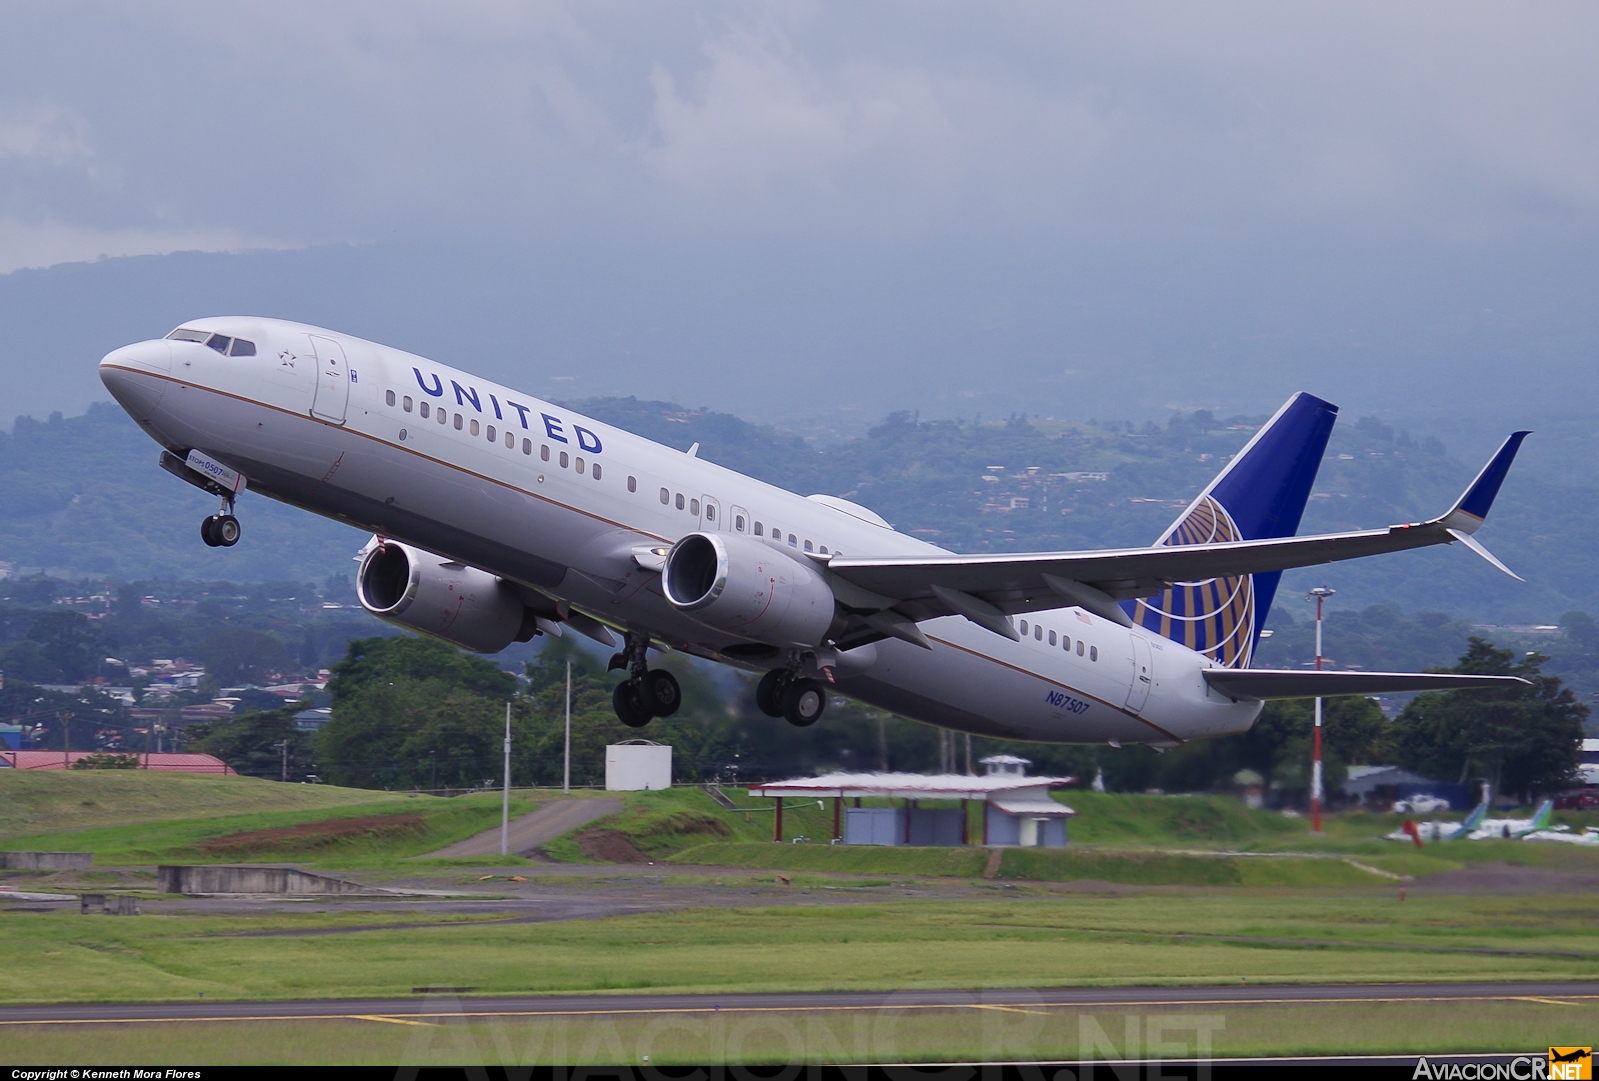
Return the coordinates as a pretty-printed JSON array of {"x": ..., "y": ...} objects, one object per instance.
[{"x": 1260, "y": 495}]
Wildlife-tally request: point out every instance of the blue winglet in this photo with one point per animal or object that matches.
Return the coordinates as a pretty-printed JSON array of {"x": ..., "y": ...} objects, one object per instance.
[{"x": 1480, "y": 496}]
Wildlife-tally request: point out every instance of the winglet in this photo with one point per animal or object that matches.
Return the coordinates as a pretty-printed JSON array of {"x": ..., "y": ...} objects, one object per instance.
[{"x": 1469, "y": 511}]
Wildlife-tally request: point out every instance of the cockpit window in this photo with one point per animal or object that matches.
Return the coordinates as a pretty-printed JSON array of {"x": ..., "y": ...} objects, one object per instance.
[
  {"x": 219, "y": 342},
  {"x": 242, "y": 348},
  {"x": 183, "y": 334}
]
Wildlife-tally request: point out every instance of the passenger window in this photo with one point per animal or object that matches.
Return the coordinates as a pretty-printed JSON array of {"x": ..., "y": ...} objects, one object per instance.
[
  {"x": 758, "y": 529},
  {"x": 1038, "y": 632},
  {"x": 242, "y": 348},
  {"x": 458, "y": 423},
  {"x": 1024, "y": 626},
  {"x": 1079, "y": 647},
  {"x": 579, "y": 465},
  {"x": 492, "y": 434},
  {"x": 510, "y": 441},
  {"x": 444, "y": 416},
  {"x": 405, "y": 404},
  {"x": 1066, "y": 642},
  {"x": 679, "y": 500},
  {"x": 219, "y": 342},
  {"x": 710, "y": 513},
  {"x": 632, "y": 484},
  {"x": 424, "y": 410},
  {"x": 527, "y": 447},
  {"x": 388, "y": 397},
  {"x": 666, "y": 497},
  {"x": 738, "y": 522},
  {"x": 793, "y": 541},
  {"x": 566, "y": 459},
  {"x": 544, "y": 452},
  {"x": 1051, "y": 637},
  {"x": 694, "y": 507},
  {"x": 808, "y": 547},
  {"x": 596, "y": 470},
  {"x": 473, "y": 425},
  {"x": 824, "y": 549},
  {"x": 1093, "y": 654}
]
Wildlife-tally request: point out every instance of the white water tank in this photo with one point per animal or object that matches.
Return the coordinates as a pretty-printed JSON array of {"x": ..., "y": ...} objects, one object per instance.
[{"x": 637, "y": 765}]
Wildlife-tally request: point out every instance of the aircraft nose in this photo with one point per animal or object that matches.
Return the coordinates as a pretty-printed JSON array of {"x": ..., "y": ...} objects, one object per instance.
[{"x": 135, "y": 374}]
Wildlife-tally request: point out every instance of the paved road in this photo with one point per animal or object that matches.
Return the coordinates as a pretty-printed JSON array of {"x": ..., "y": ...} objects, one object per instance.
[
  {"x": 536, "y": 828},
  {"x": 1565, "y": 993}
]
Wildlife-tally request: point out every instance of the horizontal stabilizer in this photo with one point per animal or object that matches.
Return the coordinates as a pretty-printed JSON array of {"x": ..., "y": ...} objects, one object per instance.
[{"x": 1263, "y": 683}]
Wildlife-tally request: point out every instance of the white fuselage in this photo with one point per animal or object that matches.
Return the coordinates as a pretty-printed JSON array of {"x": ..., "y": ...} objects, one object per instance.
[{"x": 546, "y": 497}]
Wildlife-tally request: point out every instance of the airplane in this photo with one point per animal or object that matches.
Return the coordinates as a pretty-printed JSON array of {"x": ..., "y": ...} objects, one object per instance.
[
  {"x": 497, "y": 516},
  {"x": 1565, "y": 835},
  {"x": 1444, "y": 831},
  {"x": 1515, "y": 827}
]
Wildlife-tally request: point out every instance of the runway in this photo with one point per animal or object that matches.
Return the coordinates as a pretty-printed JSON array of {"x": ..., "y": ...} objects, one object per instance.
[{"x": 433, "y": 1005}]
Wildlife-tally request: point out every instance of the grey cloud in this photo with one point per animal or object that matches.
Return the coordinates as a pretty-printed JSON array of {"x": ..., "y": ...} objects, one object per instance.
[{"x": 298, "y": 123}]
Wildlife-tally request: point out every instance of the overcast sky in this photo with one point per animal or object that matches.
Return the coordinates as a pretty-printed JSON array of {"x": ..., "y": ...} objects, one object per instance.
[
  {"x": 161, "y": 126},
  {"x": 1079, "y": 210}
]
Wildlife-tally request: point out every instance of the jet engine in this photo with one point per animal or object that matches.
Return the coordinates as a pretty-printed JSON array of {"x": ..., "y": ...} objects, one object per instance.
[
  {"x": 424, "y": 592},
  {"x": 740, "y": 585}
]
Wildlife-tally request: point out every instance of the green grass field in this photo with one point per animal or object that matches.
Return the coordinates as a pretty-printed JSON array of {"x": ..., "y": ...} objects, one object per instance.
[
  {"x": 181, "y": 840},
  {"x": 1026, "y": 939},
  {"x": 452, "y": 1035},
  {"x": 41, "y": 801}
]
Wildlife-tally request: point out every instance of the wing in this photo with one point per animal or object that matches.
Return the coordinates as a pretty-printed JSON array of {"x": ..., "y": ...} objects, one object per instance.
[
  {"x": 1263, "y": 683},
  {"x": 988, "y": 588}
]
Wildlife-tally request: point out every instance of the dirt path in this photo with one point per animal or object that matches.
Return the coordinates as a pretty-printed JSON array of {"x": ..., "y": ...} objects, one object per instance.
[{"x": 531, "y": 830}]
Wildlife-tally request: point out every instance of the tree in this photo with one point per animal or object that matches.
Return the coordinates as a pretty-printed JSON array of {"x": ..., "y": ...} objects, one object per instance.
[
  {"x": 412, "y": 712},
  {"x": 241, "y": 655},
  {"x": 1519, "y": 739},
  {"x": 252, "y": 744},
  {"x": 61, "y": 647}
]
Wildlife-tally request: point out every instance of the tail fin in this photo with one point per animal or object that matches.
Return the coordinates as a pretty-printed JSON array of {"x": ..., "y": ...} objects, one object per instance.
[{"x": 1261, "y": 494}]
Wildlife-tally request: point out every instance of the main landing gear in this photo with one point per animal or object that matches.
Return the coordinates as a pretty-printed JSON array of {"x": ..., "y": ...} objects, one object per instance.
[
  {"x": 221, "y": 530},
  {"x": 647, "y": 693},
  {"x": 798, "y": 701}
]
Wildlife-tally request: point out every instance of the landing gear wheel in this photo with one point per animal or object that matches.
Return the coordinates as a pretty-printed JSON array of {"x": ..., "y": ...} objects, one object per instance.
[
  {"x": 660, "y": 692},
  {"x": 629, "y": 710},
  {"x": 768, "y": 693},
  {"x": 803, "y": 702},
  {"x": 220, "y": 531}
]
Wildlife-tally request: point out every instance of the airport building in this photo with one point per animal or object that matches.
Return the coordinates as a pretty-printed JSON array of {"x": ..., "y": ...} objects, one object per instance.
[{"x": 1016, "y": 809}]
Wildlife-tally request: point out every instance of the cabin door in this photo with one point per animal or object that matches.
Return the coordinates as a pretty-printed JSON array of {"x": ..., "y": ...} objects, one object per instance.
[
  {"x": 332, "y": 380},
  {"x": 1143, "y": 674}
]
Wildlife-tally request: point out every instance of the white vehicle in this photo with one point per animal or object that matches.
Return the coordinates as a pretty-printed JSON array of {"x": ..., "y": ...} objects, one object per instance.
[
  {"x": 497, "y": 516},
  {"x": 1421, "y": 805},
  {"x": 1515, "y": 827}
]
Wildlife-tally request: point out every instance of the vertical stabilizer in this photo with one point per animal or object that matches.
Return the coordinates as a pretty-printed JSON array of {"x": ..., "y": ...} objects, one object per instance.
[{"x": 1261, "y": 494}]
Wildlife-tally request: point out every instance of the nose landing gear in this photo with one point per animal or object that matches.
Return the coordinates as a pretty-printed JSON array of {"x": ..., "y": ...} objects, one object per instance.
[
  {"x": 221, "y": 530},
  {"x": 647, "y": 693}
]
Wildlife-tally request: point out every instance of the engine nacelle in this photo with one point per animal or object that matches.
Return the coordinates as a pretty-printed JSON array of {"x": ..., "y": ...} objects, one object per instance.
[
  {"x": 740, "y": 585},
  {"x": 424, "y": 592}
]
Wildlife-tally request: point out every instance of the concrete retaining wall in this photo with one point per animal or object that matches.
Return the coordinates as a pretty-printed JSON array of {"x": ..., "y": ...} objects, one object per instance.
[
  {"x": 109, "y": 904},
  {"x": 213, "y": 878},
  {"x": 47, "y": 861}
]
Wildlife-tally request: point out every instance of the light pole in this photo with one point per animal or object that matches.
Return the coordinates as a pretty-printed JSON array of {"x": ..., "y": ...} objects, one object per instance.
[
  {"x": 1319, "y": 595},
  {"x": 566, "y": 757},
  {"x": 505, "y": 798}
]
